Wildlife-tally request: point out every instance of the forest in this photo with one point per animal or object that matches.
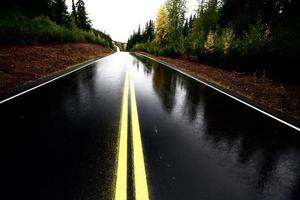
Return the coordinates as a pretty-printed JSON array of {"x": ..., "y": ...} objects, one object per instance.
[
  {"x": 256, "y": 37},
  {"x": 31, "y": 21}
]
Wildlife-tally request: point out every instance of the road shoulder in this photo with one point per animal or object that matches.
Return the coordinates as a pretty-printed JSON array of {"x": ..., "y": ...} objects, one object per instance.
[
  {"x": 278, "y": 115},
  {"x": 33, "y": 84},
  {"x": 22, "y": 65}
]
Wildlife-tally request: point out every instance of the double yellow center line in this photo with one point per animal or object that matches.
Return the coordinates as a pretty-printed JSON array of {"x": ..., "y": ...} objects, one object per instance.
[
  {"x": 121, "y": 183},
  {"x": 140, "y": 180}
]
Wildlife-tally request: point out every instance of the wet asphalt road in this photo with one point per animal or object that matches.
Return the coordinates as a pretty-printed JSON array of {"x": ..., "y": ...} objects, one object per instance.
[{"x": 60, "y": 140}]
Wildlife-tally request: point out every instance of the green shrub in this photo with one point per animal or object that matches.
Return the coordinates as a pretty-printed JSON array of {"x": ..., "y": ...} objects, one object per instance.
[{"x": 20, "y": 29}]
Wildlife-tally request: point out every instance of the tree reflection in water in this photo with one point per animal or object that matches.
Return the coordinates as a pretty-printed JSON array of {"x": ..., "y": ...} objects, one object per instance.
[{"x": 263, "y": 150}]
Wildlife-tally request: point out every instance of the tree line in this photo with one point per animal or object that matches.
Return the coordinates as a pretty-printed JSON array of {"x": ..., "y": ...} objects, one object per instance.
[
  {"x": 28, "y": 21},
  {"x": 259, "y": 37},
  {"x": 142, "y": 36}
]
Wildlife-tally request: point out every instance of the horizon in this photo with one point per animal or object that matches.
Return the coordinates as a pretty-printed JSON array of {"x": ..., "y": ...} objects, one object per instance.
[{"x": 133, "y": 12}]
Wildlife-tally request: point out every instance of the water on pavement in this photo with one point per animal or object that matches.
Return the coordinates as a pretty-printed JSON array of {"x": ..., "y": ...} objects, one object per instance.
[
  {"x": 61, "y": 139},
  {"x": 201, "y": 144}
]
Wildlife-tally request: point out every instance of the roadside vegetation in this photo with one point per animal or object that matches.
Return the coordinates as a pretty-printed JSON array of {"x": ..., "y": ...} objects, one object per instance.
[
  {"x": 256, "y": 37},
  {"x": 121, "y": 45},
  {"x": 44, "y": 21}
]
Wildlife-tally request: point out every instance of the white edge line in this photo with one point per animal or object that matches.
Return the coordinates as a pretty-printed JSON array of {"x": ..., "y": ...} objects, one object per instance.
[
  {"x": 229, "y": 95},
  {"x": 40, "y": 85}
]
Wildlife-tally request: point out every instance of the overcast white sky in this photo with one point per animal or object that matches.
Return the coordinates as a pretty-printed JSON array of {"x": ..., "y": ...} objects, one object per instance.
[{"x": 119, "y": 18}]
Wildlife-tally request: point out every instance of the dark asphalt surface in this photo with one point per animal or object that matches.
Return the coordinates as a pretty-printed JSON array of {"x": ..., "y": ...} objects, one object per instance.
[{"x": 60, "y": 140}]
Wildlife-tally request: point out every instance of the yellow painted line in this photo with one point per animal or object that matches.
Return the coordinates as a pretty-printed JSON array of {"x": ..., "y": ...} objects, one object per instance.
[
  {"x": 121, "y": 183},
  {"x": 140, "y": 179}
]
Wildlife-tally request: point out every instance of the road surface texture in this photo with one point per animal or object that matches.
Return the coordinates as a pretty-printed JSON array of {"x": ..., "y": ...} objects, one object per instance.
[{"x": 128, "y": 127}]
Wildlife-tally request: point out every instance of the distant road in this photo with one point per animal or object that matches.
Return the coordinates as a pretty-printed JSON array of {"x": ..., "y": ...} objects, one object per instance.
[{"x": 126, "y": 127}]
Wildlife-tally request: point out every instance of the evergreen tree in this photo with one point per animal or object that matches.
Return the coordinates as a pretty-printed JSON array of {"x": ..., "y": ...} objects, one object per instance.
[
  {"x": 138, "y": 35},
  {"x": 150, "y": 31},
  {"x": 207, "y": 17},
  {"x": 185, "y": 30},
  {"x": 242, "y": 14},
  {"x": 191, "y": 21},
  {"x": 141, "y": 36},
  {"x": 30, "y": 8},
  {"x": 148, "y": 34},
  {"x": 83, "y": 21},
  {"x": 74, "y": 12},
  {"x": 60, "y": 13}
]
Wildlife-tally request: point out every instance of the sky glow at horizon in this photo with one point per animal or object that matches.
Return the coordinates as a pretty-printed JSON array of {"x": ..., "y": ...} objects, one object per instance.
[{"x": 119, "y": 18}]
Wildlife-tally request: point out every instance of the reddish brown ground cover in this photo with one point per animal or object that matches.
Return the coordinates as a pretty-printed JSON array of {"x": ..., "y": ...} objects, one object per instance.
[
  {"x": 276, "y": 96},
  {"x": 20, "y": 65}
]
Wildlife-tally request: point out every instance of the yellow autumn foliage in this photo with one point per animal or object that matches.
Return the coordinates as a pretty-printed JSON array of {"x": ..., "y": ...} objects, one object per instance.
[{"x": 161, "y": 25}]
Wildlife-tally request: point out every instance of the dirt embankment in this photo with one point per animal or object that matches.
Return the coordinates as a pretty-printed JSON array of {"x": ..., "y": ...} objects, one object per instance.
[
  {"x": 275, "y": 96},
  {"x": 20, "y": 65}
]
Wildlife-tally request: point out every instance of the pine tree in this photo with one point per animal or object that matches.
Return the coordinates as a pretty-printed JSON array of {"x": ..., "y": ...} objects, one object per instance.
[
  {"x": 83, "y": 21},
  {"x": 60, "y": 12},
  {"x": 138, "y": 36},
  {"x": 74, "y": 13},
  {"x": 185, "y": 29},
  {"x": 148, "y": 34},
  {"x": 150, "y": 30}
]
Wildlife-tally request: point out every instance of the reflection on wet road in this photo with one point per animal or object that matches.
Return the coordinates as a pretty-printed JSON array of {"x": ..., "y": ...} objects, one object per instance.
[
  {"x": 62, "y": 140},
  {"x": 200, "y": 144}
]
